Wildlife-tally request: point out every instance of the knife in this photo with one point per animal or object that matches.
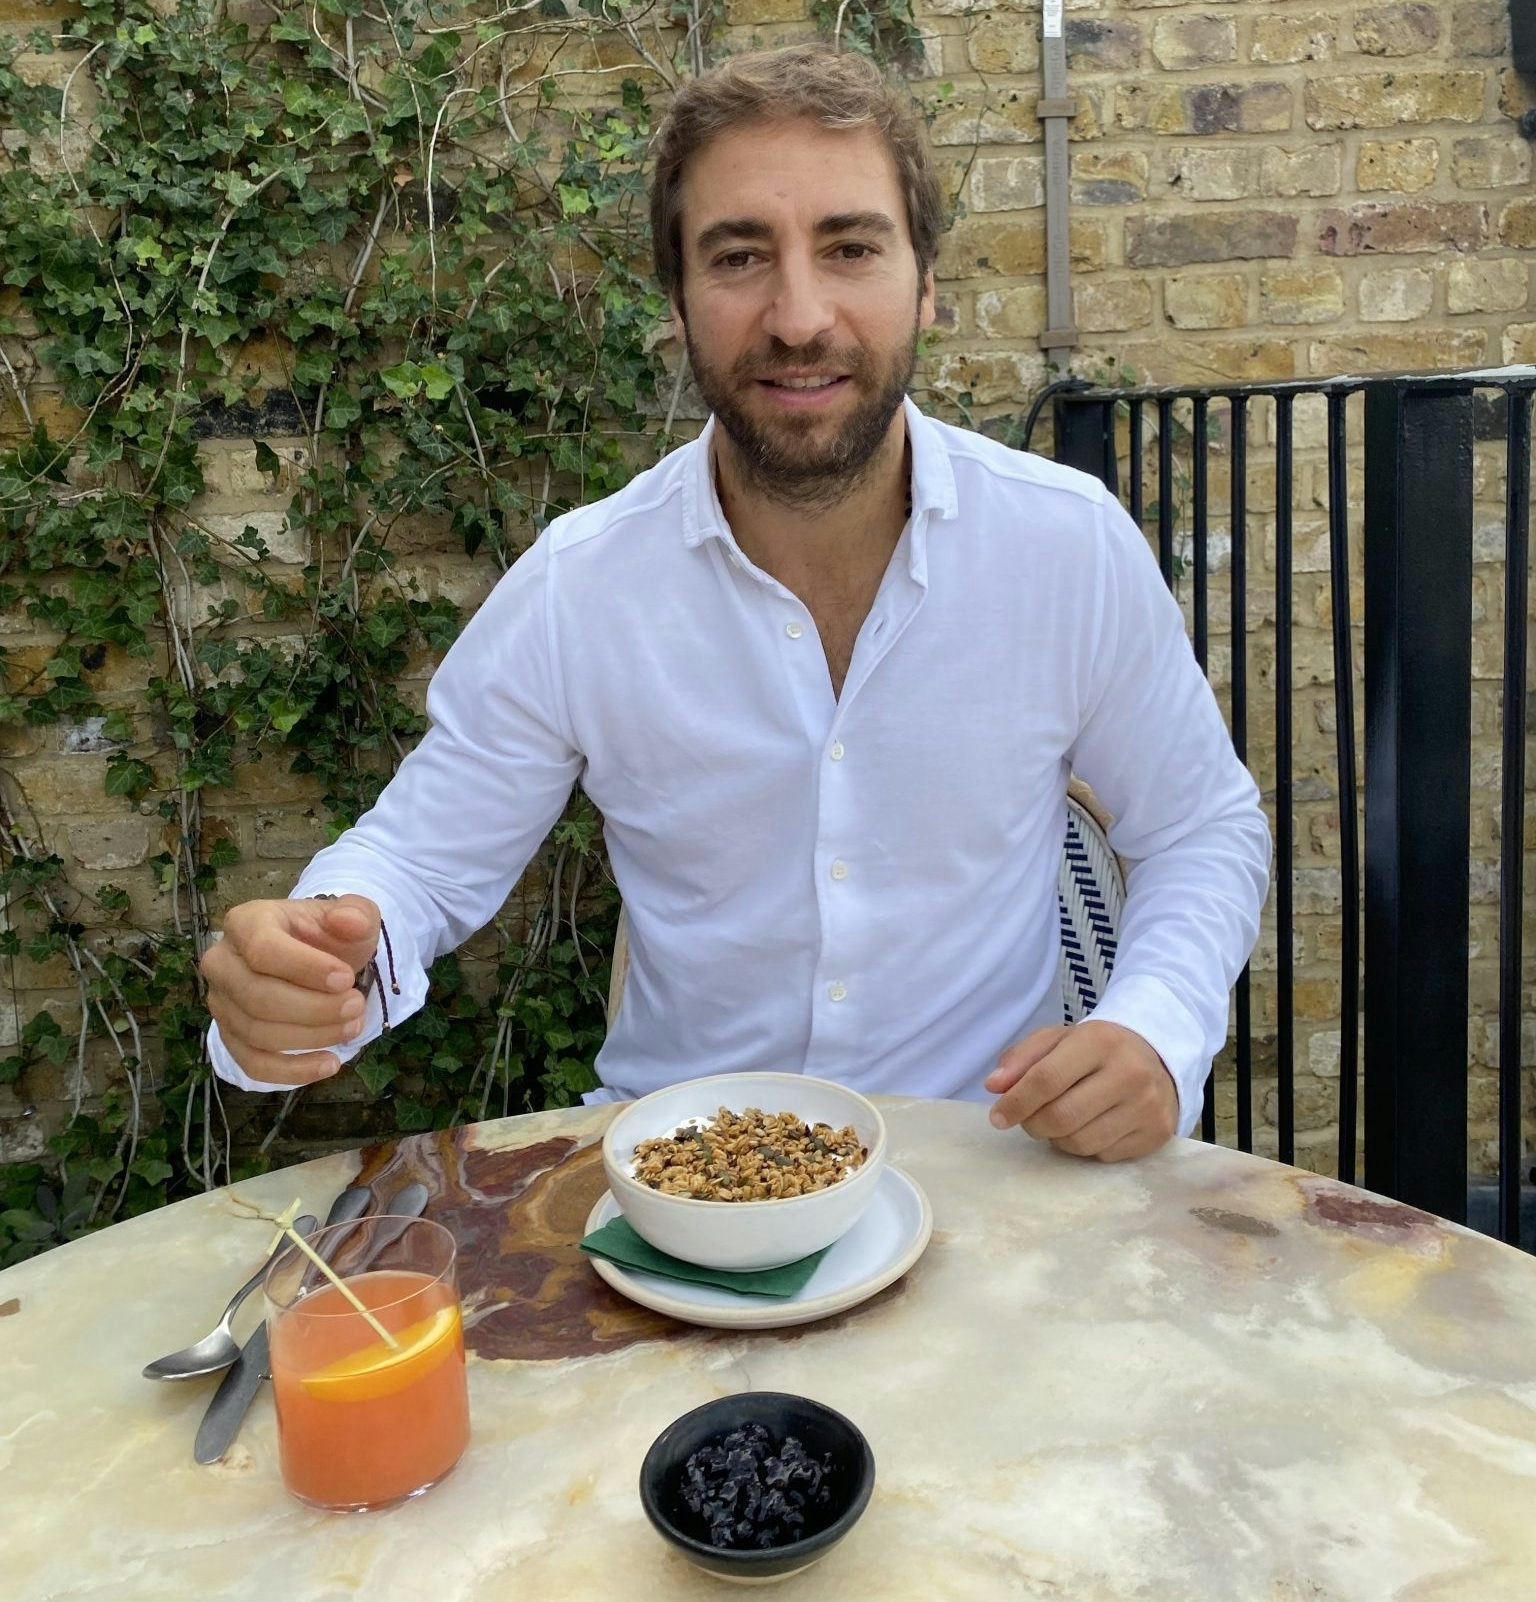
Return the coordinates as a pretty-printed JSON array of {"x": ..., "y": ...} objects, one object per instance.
[
  {"x": 387, "y": 1226},
  {"x": 244, "y": 1377}
]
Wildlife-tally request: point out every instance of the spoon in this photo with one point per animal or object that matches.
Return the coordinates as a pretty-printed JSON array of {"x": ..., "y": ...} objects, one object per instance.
[{"x": 219, "y": 1348}]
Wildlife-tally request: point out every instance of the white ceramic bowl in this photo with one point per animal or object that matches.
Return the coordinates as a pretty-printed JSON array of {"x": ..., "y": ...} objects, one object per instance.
[{"x": 743, "y": 1235}]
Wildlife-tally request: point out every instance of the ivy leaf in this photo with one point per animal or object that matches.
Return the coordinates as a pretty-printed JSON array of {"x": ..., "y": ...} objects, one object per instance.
[
  {"x": 403, "y": 379},
  {"x": 384, "y": 628},
  {"x": 25, "y": 1225},
  {"x": 225, "y": 853},
  {"x": 267, "y": 459},
  {"x": 127, "y": 776},
  {"x": 574, "y": 202},
  {"x": 298, "y": 97},
  {"x": 412, "y": 1115},
  {"x": 332, "y": 224},
  {"x": 377, "y": 1074},
  {"x": 181, "y": 480},
  {"x": 342, "y": 408},
  {"x": 217, "y": 328},
  {"x": 437, "y": 380},
  {"x": 472, "y": 525},
  {"x": 284, "y": 715},
  {"x": 238, "y": 189}
]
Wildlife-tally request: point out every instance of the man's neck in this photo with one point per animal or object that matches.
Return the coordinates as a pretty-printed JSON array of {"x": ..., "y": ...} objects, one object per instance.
[{"x": 809, "y": 545}]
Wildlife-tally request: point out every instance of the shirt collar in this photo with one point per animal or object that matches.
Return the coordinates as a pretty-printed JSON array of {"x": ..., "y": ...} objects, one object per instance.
[
  {"x": 702, "y": 517},
  {"x": 933, "y": 475},
  {"x": 933, "y": 482}
]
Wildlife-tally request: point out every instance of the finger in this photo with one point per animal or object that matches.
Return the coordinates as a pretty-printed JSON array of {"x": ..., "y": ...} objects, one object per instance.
[
  {"x": 275, "y": 1068},
  {"x": 279, "y": 1035},
  {"x": 1021, "y": 1056},
  {"x": 1055, "y": 1073},
  {"x": 350, "y": 928},
  {"x": 1092, "y": 1097},
  {"x": 270, "y": 948},
  {"x": 1140, "y": 1143},
  {"x": 263, "y": 1000},
  {"x": 1098, "y": 1134}
]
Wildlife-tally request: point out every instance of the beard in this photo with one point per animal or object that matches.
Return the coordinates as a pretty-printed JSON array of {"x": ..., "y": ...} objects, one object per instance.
[{"x": 791, "y": 459}]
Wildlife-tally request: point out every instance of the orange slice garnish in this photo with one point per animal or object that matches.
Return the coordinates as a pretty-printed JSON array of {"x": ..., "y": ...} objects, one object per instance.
[{"x": 380, "y": 1369}]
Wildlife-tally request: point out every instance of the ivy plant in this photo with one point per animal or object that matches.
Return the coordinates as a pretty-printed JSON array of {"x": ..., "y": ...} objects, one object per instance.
[
  {"x": 385, "y": 245},
  {"x": 397, "y": 249}
]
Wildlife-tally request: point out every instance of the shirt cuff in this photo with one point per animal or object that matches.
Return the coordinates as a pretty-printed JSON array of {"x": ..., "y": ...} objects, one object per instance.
[
  {"x": 232, "y": 1073},
  {"x": 409, "y": 974},
  {"x": 1148, "y": 1007}
]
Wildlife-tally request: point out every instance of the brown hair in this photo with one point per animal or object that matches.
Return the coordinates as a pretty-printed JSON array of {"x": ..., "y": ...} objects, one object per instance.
[{"x": 835, "y": 89}]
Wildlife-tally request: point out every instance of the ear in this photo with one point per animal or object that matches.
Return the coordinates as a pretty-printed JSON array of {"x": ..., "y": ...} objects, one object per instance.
[
  {"x": 926, "y": 308},
  {"x": 679, "y": 324}
]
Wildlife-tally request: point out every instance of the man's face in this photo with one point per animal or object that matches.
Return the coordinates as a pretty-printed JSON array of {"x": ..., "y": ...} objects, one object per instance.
[{"x": 800, "y": 303}]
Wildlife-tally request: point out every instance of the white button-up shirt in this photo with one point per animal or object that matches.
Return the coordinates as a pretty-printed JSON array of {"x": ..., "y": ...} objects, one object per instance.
[{"x": 859, "y": 887}]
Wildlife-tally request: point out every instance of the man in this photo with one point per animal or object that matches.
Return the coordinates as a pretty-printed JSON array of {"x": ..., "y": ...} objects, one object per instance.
[{"x": 825, "y": 673}]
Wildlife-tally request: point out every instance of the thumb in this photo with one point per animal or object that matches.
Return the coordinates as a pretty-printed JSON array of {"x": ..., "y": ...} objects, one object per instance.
[
  {"x": 347, "y": 928},
  {"x": 1022, "y": 1055}
]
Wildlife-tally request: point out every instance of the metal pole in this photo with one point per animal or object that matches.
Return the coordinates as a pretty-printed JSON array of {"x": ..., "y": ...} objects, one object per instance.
[
  {"x": 1055, "y": 111},
  {"x": 1285, "y": 815},
  {"x": 1418, "y": 684},
  {"x": 1341, "y": 618},
  {"x": 1085, "y": 438},
  {"x": 1517, "y": 530}
]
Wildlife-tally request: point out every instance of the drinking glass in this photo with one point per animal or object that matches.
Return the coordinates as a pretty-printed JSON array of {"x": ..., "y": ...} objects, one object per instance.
[{"x": 364, "y": 1421}]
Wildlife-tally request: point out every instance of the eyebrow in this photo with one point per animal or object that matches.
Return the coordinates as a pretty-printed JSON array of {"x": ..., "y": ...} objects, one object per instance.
[{"x": 755, "y": 228}]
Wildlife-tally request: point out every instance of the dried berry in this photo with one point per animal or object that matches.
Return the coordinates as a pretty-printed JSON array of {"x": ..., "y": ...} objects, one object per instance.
[{"x": 751, "y": 1491}]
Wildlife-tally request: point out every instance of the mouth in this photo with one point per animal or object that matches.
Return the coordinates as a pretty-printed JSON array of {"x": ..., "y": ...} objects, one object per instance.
[{"x": 808, "y": 389}]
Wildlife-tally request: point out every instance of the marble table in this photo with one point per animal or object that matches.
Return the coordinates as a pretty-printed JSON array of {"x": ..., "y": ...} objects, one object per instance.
[{"x": 1201, "y": 1378}]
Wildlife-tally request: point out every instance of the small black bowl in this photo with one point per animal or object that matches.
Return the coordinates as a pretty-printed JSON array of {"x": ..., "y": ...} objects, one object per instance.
[{"x": 821, "y": 1430}]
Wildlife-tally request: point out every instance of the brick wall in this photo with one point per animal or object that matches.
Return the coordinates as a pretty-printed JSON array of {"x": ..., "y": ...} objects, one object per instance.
[
  {"x": 1258, "y": 191},
  {"x": 1264, "y": 191},
  {"x": 1254, "y": 195}
]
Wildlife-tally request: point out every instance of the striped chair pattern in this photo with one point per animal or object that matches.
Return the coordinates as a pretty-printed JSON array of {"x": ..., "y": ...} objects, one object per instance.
[{"x": 1090, "y": 894}]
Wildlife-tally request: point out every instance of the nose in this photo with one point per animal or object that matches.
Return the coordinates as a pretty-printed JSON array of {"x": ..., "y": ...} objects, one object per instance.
[{"x": 801, "y": 310}]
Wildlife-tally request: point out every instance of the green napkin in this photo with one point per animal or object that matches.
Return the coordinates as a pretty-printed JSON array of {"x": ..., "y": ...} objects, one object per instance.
[{"x": 618, "y": 1242}]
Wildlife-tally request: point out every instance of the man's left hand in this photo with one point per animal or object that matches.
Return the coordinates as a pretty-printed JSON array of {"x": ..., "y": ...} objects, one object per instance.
[{"x": 1091, "y": 1089}]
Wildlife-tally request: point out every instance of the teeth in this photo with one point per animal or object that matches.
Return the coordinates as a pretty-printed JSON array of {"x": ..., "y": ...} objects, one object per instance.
[{"x": 804, "y": 383}]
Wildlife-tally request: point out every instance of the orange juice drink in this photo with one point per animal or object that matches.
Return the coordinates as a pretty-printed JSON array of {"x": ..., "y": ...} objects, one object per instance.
[{"x": 362, "y": 1422}]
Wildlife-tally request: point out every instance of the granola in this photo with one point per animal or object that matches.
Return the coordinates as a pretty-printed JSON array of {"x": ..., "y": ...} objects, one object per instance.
[{"x": 750, "y": 1156}]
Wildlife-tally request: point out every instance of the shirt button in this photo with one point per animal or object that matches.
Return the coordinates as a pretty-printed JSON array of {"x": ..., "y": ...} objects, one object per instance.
[
  {"x": 793, "y": 630},
  {"x": 836, "y": 753},
  {"x": 837, "y": 991},
  {"x": 839, "y": 869}
]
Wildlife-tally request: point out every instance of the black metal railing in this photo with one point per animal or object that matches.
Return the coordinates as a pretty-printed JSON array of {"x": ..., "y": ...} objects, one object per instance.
[{"x": 1416, "y": 528}]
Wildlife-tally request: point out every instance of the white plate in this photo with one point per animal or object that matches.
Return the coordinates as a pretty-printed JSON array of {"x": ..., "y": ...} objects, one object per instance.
[{"x": 888, "y": 1238}]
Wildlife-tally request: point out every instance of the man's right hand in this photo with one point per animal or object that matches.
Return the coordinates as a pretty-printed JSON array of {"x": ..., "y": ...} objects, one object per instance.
[{"x": 282, "y": 980}]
